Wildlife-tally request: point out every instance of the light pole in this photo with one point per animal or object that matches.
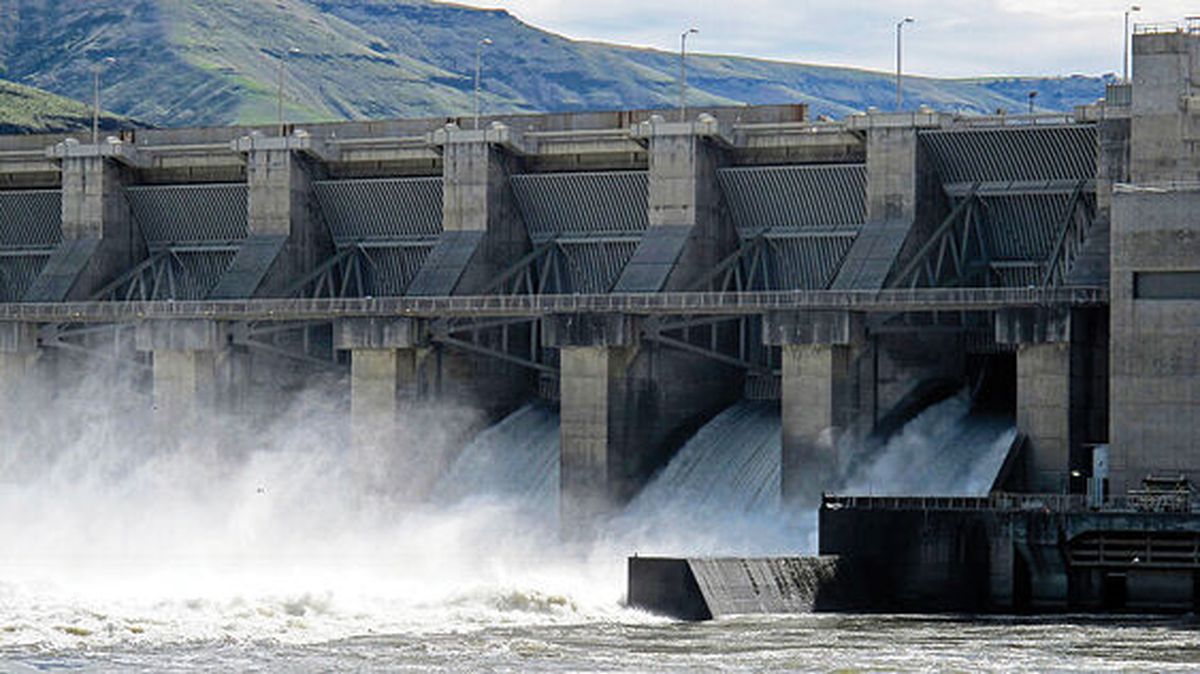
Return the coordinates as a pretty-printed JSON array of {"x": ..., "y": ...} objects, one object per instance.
[
  {"x": 899, "y": 60},
  {"x": 485, "y": 42},
  {"x": 282, "y": 68},
  {"x": 683, "y": 72},
  {"x": 108, "y": 61},
  {"x": 1125, "y": 53}
]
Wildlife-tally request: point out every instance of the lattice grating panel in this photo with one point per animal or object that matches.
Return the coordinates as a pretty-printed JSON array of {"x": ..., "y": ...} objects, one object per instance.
[
  {"x": 578, "y": 203},
  {"x": 1018, "y": 276},
  {"x": 389, "y": 270},
  {"x": 795, "y": 196},
  {"x": 804, "y": 262},
  {"x": 17, "y": 274},
  {"x": 30, "y": 218},
  {"x": 1023, "y": 227},
  {"x": 197, "y": 273},
  {"x": 1031, "y": 153},
  {"x": 595, "y": 267},
  {"x": 381, "y": 208},
  {"x": 168, "y": 213}
]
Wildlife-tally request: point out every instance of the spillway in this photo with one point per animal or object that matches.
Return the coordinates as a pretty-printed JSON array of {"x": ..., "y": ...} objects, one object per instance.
[
  {"x": 945, "y": 451},
  {"x": 730, "y": 465},
  {"x": 720, "y": 494},
  {"x": 516, "y": 461}
]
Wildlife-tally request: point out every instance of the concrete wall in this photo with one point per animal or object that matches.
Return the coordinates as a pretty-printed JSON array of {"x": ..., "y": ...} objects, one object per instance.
[
  {"x": 1155, "y": 366},
  {"x": 1155, "y": 355},
  {"x": 1166, "y": 127},
  {"x": 913, "y": 560}
]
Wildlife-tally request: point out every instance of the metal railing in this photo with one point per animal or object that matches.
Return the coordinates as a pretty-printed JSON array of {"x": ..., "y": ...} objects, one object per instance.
[
  {"x": 678, "y": 303},
  {"x": 1006, "y": 502},
  {"x": 1189, "y": 26}
]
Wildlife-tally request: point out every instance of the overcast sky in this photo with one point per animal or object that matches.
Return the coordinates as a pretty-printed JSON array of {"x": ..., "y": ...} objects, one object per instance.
[{"x": 952, "y": 38}]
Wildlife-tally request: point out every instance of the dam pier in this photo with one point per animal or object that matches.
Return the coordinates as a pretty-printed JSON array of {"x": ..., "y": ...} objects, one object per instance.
[{"x": 643, "y": 275}]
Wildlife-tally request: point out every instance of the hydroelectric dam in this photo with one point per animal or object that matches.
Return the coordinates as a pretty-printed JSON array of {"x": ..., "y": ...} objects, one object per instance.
[{"x": 800, "y": 291}]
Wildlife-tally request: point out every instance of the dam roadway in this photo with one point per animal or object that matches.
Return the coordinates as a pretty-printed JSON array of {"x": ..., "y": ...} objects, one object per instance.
[{"x": 667, "y": 304}]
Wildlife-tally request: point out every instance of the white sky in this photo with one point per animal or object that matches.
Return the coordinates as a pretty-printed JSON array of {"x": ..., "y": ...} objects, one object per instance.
[{"x": 952, "y": 38}]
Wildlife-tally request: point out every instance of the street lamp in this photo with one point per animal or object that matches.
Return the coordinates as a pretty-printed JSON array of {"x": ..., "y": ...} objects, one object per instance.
[
  {"x": 1032, "y": 96},
  {"x": 683, "y": 72},
  {"x": 1125, "y": 54},
  {"x": 108, "y": 61},
  {"x": 282, "y": 67},
  {"x": 485, "y": 42},
  {"x": 899, "y": 60}
]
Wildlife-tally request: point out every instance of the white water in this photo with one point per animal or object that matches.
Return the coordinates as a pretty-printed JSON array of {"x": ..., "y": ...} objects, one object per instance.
[
  {"x": 719, "y": 495},
  {"x": 515, "y": 460},
  {"x": 277, "y": 533},
  {"x": 944, "y": 451}
]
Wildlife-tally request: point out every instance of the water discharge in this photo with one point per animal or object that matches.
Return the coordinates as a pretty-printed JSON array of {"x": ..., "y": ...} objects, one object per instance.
[
  {"x": 116, "y": 536},
  {"x": 945, "y": 451},
  {"x": 516, "y": 459}
]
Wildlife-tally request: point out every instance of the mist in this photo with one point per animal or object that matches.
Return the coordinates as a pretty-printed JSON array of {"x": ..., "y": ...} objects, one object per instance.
[
  {"x": 120, "y": 527},
  {"x": 126, "y": 527}
]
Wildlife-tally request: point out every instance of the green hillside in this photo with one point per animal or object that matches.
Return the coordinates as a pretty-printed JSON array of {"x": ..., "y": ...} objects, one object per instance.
[
  {"x": 28, "y": 110},
  {"x": 199, "y": 62}
]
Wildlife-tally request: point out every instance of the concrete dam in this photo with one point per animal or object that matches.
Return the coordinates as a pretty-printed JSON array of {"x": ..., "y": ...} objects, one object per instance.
[{"x": 746, "y": 304}]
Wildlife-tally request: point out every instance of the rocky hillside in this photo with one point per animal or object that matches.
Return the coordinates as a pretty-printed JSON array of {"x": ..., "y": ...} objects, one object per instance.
[{"x": 199, "y": 62}]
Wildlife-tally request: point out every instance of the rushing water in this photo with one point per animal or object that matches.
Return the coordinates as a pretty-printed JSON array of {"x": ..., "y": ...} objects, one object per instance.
[
  {"x": 274, "y": 548},
  {"x": 516, "y": 643}
]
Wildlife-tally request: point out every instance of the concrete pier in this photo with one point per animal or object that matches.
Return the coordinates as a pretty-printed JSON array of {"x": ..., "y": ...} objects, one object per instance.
[
  {"x": 99, "y": 236},
  {"x": 595, "y": 353},
  {"x": 627, "y": 405},
  {"x": 482, "y": 232},
  {"x": 187, "y": 356},
  {"x": 18, "y": 353},
  {"x": 816, "y": 400},
  {"x": 285, "y": 238},
  {"x": 385, "y": 358},
  {"x": 688, "y": 234}
]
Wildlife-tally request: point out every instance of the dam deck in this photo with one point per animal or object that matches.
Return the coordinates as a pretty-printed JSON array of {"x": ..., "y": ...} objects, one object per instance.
[{"x": 687, "y": 304}]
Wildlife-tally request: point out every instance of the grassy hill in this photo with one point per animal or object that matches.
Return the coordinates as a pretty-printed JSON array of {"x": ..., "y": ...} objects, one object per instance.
[
  {"x": 199, "y": 62},
  {"x": 28, "y": 110}
]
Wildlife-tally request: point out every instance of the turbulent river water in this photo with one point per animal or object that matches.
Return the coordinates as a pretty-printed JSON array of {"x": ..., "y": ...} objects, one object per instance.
[{"x": 275, "y": 548}]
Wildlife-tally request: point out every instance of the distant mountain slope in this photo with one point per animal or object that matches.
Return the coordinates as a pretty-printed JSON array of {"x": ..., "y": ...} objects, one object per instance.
[
  {"x": 28, "y": 110},
  {"x": 218, "y": 62}
]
